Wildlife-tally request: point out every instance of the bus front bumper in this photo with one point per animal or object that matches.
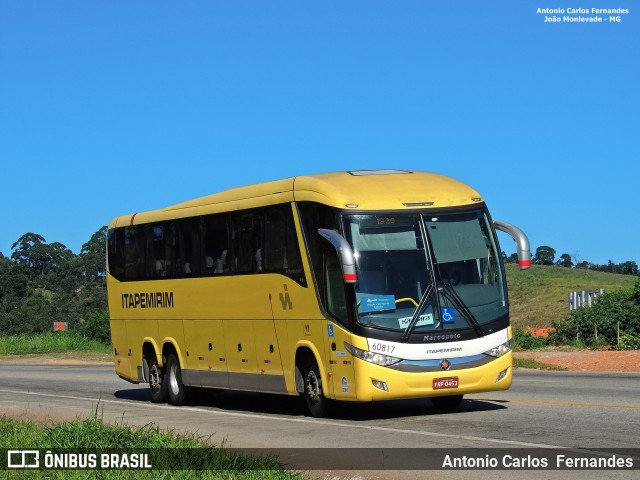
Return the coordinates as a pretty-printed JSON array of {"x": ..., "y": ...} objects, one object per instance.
[{"x": 383, "y": 383}]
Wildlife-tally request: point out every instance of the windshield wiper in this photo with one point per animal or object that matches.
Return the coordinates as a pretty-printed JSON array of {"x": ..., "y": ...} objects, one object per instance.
[
  {"x": 453, "y": 296},
  {"x": 416, "y": 314}
]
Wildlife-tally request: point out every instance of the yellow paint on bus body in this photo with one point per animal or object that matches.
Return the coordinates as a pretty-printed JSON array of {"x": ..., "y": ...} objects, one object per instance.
[{"x": 243, "y": 331}]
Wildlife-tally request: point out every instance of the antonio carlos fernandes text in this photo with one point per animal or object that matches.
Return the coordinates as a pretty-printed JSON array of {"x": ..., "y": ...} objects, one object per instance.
[{"x": 533, "y": 462}]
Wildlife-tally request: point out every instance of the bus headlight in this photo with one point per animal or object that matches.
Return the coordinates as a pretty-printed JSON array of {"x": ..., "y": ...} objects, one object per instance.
[
  {"x": 500, "y": 350},
  {"x": 371, "y": 357}
]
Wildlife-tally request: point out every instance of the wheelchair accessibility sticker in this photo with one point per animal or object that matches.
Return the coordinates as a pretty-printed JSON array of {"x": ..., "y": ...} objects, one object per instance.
[{"x": 447, "y": 315}]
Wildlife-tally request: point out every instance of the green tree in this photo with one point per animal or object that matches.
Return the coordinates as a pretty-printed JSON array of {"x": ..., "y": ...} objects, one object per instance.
[
  {"x": 93, "y": 255},
  {"x": 43, "y": 283},
  {"x": 32, "y": 315},
  {"x": 636, "y": 292},
  {"x": 629, "y": 268},
  {"x": 545, "y": 255},
  {"x": 13, "y": 289},
  {"x": 60, "y": 259},
  {"x": 565, "y": 261},
  {"x": 13, "y": 279},
  {"x": 96, "y": 327},
  {"x": 41, "y": 258},
  {"x": 513, "y": 258},
  {"x": 30, "y": 250}
]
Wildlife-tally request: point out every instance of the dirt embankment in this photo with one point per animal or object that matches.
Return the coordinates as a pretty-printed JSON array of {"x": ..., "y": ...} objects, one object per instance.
[
  {"x": 588, "y": 360},
  {"x": 52, "y": 360}
]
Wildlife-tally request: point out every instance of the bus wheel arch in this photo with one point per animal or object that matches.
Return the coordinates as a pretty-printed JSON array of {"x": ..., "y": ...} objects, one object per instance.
[
  {"x": 154, "y": 373},
  {"x": 310, "y": 382},
  {"x": 148, "y": 358},
  {"x": 169, "y": 345}
]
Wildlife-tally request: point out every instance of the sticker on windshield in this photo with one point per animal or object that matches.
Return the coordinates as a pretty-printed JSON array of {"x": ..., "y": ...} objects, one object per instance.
[
  {"x": 447, "y": 315},
  {"x": 375, "y": 303},
  {"x": 426, "y": 319}
]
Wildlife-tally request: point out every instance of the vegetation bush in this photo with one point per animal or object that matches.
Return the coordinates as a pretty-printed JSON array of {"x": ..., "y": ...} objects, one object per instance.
[
  {"x": 525, "y": 340},
  {"x": 628, "y": 342},
  {"x": 598, "y": 325},
  {"x": 96, "y": 327}
]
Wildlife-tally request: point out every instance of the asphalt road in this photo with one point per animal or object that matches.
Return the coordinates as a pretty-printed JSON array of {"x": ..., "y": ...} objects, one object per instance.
[{"x": 586, "y": 412}]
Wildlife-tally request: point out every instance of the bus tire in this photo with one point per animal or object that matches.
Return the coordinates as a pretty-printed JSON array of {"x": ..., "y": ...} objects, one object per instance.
[
  {"x": 176, "y": 389},
  {"x": 317, "y": 404},
  {"x": 157, "y": 382},
  {"x": 447, "y": 403}
]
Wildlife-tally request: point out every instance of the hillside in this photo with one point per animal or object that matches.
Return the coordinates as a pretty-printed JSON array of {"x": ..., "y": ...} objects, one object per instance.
[{"x": 541, "y": 294}]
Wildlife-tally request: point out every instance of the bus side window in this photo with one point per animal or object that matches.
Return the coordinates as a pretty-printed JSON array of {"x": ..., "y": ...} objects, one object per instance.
[
  {"x": 281, "y": 252},
  {"x": 313, "y": 216},
  {"x": 248, "y": 242},
  {"x": 186, "y": 246},
  {"x": 216, "y": 244},
  {"x": 135, "y": 253},
  {"x": 159, "y": 256},
  {"x": 116, "y": 252},
  {"x": 336, "y": 301},
  {"x": 275, "y": 238}
]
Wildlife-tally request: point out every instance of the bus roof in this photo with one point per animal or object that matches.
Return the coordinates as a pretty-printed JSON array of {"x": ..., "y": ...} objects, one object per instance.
[{"x": 356, "y": 190}]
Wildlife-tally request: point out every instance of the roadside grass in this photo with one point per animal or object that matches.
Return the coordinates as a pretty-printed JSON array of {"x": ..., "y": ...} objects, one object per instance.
[
  {"x": 93, "y": 435},
  {"x": 51, "y": 342},
  {"x": 531, "y": 363},
  {"x": 540, "y": 295}
]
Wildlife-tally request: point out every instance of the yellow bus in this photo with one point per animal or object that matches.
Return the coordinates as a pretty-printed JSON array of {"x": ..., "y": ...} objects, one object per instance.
[{"x": 350, "y": 286}]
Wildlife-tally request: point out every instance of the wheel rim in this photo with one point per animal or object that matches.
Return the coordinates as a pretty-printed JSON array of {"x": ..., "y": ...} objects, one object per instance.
[
  {"x": 173, "y": 379},
  {"x": 154, "y": 378},
  {"x": 314, "y": 387}
]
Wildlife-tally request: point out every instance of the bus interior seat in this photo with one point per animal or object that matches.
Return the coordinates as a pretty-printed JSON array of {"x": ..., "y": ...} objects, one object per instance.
[
  {"x": 404, "y": 275},
  {"x": 221, "y": 263},
  {"x": 160, "y": 268},
  {"x": 258, "y": 257},
  {"x": 208, "y": 263}
]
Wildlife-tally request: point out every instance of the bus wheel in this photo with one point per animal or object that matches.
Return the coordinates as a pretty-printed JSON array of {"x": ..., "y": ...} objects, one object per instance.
[
  {"x": 157, "y": 383},
  {"x": 317, "y": 403},
  {"x": 177, "y": 391},
  {"x": 449, "y": 402}
]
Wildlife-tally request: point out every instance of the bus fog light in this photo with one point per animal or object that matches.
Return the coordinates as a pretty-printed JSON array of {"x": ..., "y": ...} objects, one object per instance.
[
  {"x": 502, "y": 374},
  {"x": 380, "y": 385}
]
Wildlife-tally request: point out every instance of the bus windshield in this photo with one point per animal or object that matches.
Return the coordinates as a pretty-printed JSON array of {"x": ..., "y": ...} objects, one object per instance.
[{"x": 399, "y": 255}]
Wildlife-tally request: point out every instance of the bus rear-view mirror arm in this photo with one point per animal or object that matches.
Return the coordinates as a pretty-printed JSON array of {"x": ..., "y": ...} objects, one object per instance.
[
  {"x": 347, "y": 259},
  {"x": 522, "y": 243}
]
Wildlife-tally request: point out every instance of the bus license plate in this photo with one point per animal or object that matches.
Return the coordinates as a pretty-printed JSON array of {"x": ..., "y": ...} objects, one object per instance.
[{"x": 447, "y": 382}]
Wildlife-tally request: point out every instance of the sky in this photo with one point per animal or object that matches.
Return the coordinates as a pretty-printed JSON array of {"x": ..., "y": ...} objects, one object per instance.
[{"x": 109, "y": 108}]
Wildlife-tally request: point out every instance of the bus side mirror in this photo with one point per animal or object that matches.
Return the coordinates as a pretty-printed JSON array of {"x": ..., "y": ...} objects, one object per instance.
[
  {"x": 345, "y": 254},
  {"x": 522, "y": 243}
]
